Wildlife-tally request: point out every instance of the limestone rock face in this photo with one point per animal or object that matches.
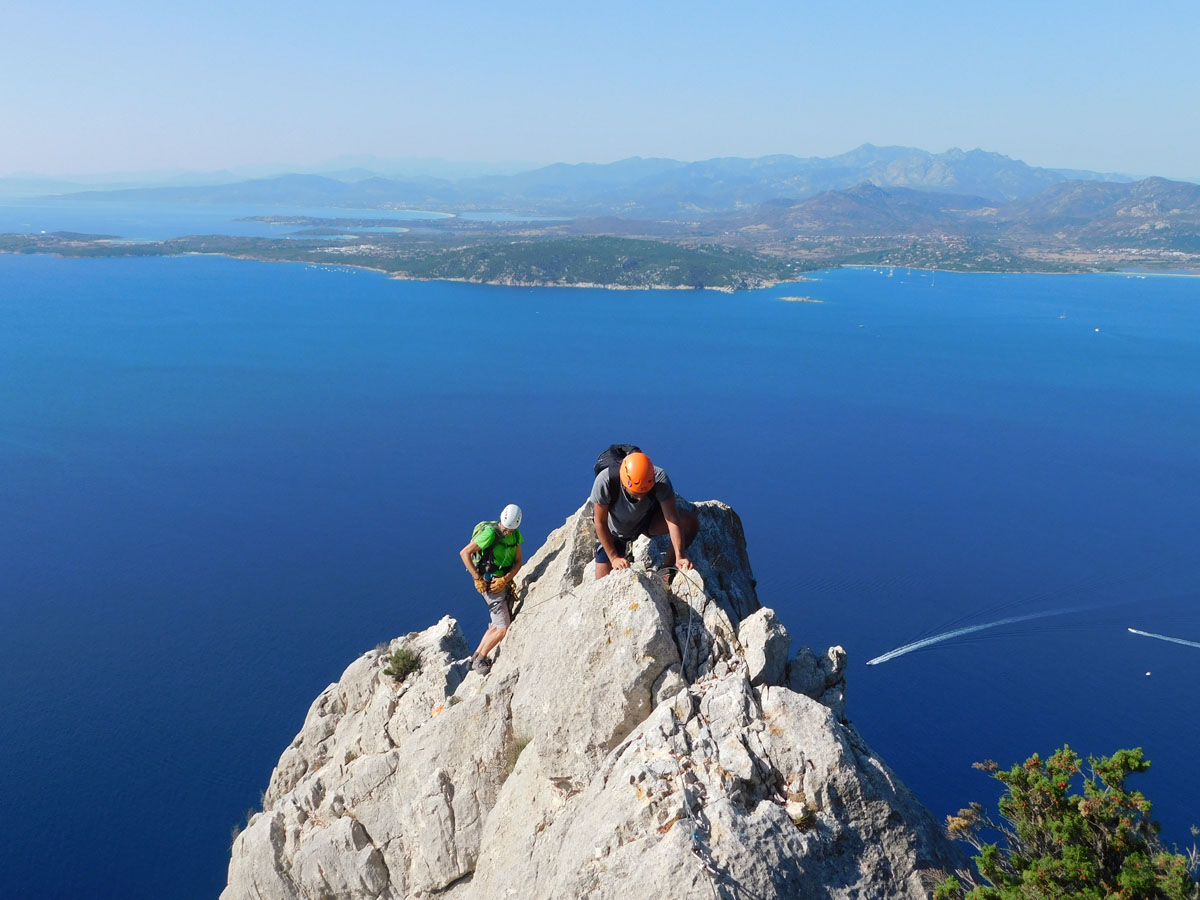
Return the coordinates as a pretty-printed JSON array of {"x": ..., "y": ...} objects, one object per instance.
[
  {"x": 634, "y": 739},
  {"x": 765, "y": 642}
]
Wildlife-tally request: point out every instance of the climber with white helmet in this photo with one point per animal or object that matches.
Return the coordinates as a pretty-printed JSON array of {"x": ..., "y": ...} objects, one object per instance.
[
  {"x": 493, "y": 558},
  {"x": 634, "y": 498}
]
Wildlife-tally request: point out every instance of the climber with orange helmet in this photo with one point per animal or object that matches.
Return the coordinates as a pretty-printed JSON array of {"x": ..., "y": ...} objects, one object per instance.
[{"x": 632, "y": 499}]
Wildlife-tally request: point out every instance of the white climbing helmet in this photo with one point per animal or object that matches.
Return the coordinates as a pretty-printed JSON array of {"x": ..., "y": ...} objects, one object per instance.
[{"x": 510, "y": 518}]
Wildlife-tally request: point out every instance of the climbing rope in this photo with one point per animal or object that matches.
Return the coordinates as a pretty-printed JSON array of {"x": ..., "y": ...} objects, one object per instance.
[{"x": 687, "y": 641}]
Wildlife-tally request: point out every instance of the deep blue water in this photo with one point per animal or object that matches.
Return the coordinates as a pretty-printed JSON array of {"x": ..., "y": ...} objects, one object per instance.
[{"x": 221, "y": 481}]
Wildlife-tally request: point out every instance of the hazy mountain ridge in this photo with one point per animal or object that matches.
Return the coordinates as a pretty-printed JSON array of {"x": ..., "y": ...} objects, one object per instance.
[
  {"x": 1155, "y": 211},
  {"x": 348, "y": 167},
  {"x": 867, "y": 209},
  {"x": 1081, "y": 201},
  {"x": 1072, "y": 227},
  {"x": 288, "y": 189},
  {"x": 648, "y": 187},
  {"x": 964, "y": 210}
]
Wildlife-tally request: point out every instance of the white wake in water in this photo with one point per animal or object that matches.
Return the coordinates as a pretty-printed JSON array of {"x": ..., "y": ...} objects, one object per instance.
[
  {"x": 970, "y": 629},
  {"x": 1163, "y": 637}
]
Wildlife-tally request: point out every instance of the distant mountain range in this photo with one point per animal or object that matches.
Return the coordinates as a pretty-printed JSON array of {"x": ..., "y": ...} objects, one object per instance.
[
  {"x": 1152, "y": 213},
  {"x": 348, "y": 168},
  {"x": 966, "y": 210},
  {"x": 637, "y": 187}
]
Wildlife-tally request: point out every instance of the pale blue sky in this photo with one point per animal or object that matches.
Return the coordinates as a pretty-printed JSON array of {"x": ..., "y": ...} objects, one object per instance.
[{"x": 134, "y": 85}]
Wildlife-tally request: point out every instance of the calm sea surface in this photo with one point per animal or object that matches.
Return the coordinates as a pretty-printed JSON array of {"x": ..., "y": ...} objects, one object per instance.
[
  {"x": 144, "y": 221},
  {"x": 150, "y": 221},
  {"x": 221, "y": 481}
]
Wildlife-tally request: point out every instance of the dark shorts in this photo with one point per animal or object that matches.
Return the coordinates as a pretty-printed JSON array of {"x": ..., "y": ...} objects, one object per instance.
[
  {"x": 624, "y": 542},
  {"x": 623, "y": 546}
]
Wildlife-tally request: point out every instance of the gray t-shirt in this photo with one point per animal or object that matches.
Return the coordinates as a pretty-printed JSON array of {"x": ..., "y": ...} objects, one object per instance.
[{"x": 624, "y": 518}]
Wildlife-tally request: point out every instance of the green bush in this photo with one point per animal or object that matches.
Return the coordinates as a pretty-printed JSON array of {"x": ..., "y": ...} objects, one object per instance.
[
  {"x": 1093, "y": 846},
  {"x": 402, "y": 664}
]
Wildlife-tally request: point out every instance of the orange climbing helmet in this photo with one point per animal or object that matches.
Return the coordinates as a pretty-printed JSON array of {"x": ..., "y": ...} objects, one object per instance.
[{"x": 637, "y": 473}]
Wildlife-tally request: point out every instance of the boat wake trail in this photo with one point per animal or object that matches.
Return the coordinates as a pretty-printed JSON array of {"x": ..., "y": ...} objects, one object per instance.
[
  {"x": 971, "y": 629},
  {"x": 1163, "y": 637}
]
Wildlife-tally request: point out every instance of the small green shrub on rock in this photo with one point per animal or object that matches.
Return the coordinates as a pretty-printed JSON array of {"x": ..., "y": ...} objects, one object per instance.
[
  {"x": 402, "y": 664},
  {"x": 515, "y": 749},
  {"x": 1096, "y": 845}
]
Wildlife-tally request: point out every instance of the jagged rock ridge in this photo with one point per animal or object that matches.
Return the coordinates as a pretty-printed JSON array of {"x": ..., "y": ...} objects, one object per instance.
[{"x": 633, "y": 740}]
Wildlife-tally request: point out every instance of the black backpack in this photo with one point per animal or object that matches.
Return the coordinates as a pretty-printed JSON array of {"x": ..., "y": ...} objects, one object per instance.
[
  {"x": 611, "y": 458},
  {"x": 484, "y": 561}
]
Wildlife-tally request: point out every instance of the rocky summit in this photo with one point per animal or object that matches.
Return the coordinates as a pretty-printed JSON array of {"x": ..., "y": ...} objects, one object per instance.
[{"x": 636, "y": 738}]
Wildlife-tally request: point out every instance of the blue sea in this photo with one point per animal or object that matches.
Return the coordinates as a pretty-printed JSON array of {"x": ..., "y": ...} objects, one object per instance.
[
  {"x": 134, "y": 221},
  {"x": 221, "y": 481}
]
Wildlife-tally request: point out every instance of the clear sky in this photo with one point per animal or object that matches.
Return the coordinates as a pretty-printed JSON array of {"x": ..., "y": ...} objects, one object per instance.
[{"x": 135, "y": 85}]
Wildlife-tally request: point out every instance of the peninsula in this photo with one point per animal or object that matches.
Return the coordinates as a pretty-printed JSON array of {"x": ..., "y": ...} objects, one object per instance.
[
  {"x": 726, "y": 224},
  {"x": 613, "y": 262}
]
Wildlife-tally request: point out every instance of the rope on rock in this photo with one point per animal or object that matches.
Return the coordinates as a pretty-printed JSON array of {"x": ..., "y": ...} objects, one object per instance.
[{"x": 687, "y": 646}]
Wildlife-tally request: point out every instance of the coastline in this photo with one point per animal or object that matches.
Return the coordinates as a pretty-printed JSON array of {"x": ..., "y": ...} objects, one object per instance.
[
  {"x": 396, "y": 276},
  {"x": 1126, "y": 272},
  {"x": 761, "y": 283},
  {"x": 400, "y": 276}
]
